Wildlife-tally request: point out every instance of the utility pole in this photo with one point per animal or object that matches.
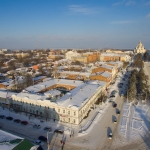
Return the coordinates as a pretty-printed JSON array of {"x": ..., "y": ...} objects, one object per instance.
[{"x": 48, "y": 142}]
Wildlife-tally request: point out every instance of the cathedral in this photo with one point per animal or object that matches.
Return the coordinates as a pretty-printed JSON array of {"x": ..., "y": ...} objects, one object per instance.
[{"x": 140, "y": 48}]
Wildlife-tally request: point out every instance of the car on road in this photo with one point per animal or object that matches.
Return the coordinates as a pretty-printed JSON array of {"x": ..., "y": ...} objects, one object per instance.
[
  {"x": 36, "y": 126},
  {"x": 110, "y": 100},
  {"x": 58, "y": 131},
  {"x": 24, "y": 122},
  {"x": 17, "y": 120},
  {"x": 114, "y": 104},
  {"x": 9, "y": 118},
  {"x": 2, "y": 117},
  {"x": 115, "y": 120},
  {"x": 112, "y": 96},
  {"x": 122, "y": 95},
  {"x": 118, "y": 112},
  {"x": 110, "y": 135},
  {"x": 42, "y": 138},
  {"x": 48, "y": 129},
  {"x": 37, "y": 142}
]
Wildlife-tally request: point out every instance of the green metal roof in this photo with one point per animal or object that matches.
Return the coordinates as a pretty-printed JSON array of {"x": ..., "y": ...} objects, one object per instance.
[{"x": 24, "y": 145}]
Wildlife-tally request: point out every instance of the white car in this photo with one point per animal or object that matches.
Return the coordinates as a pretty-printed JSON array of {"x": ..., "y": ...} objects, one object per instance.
[{"x": 38, "y": 142}]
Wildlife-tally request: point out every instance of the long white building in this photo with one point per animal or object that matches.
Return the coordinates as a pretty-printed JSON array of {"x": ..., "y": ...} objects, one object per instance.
[{"x": 71, "y": 107}]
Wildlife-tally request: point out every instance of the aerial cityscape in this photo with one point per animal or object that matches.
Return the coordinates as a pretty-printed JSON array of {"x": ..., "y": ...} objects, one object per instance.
[{"x": 74, "y": 75}]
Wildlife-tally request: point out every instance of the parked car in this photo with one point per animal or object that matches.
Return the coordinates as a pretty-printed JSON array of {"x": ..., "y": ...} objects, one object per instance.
[
  {"x": 9, "y": 118},
  {"x": 17, "y": 120},
  {"x": 114, "y": 104},
  {"x": 37, "y": 142},
  {"x": 118, "y": 112},
  {"x": 112, "y": 96},
  {"x": 36, "y": 126},
  {"x": 59, "y": 131},
  {"x": 115, "y": 120},
  {"x": 48, "y": 129},
  {"x": 110, "y": 135},
  {"x": 2, "y": 117},
  {"x": 24, "y": 122},
  {"x": 42, "y": 138}
]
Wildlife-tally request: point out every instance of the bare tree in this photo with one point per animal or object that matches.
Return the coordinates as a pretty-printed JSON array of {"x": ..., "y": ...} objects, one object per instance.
[
  {"x": 46, "y": 113},
  {"x": 28, "y": 80}
]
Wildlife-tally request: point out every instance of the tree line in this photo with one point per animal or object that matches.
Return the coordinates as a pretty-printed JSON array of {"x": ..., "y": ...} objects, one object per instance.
[{"x": 138, "y": 83}]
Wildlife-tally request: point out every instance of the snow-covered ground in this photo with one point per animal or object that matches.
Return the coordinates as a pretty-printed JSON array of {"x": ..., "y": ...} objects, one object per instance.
[
  {"x": 5, "y": 139},
  {"x": 134, "y": 124}
]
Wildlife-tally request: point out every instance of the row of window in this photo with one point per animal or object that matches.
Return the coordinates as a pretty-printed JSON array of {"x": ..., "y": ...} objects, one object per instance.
[
  {"x": 68, "y": 120},
  {"x": 68, "y": 112}
]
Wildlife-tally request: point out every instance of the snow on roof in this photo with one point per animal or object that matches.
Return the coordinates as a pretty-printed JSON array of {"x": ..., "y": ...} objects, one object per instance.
[
  {"x": 40, "y": 77},
  {"x": 62, "y": 60},
  {"x": 38, "y": 87},
  {"x": 4, "y": 93},
  {"x": 76, "y": 73},
  {"x": 102, "y": 83},
  {"x": 18, "y": 79},
  {"x": 110, "y": 54},
  {"x": 78, "y": 96},
  {"x": 52, "y": 93},
  {"x": 31, "y": 96},
  {"x": 107, "y": 66},
  {"x": 106, "y": 74}
]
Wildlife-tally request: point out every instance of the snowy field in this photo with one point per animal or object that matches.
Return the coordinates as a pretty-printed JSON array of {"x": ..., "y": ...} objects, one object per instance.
[{"x": 134, "y": 125}]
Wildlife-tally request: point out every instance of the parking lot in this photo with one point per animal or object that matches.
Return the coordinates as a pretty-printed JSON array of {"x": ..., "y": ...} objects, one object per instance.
[{"x": 20, "y": 124}]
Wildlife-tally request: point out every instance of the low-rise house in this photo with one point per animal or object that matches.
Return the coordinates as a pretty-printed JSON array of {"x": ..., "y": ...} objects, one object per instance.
[
  {"x": 39, "y": 79},
  {"x": 74, "y": 75}
]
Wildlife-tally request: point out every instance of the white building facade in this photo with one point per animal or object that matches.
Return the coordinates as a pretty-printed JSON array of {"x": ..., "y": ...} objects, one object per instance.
[{"x": 71, "y": 108}]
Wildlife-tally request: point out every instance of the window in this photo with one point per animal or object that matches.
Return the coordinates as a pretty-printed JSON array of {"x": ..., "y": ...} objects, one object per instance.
[
  {"x": 74, "y": 121},
  {"x": 74, "y": 113},
  {"x": 63, "y": 111},
  {"x": 53, "y": 109},
  {"x": 68, "y": 112},
  {"x": 58, "y": 110}
]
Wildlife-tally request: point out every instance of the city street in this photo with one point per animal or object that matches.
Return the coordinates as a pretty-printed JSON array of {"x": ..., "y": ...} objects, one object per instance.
[{"x": 97, "y": 138}]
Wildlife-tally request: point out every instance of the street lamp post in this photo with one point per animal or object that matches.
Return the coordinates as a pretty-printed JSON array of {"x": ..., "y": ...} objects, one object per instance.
[{"x": 48, "y": 142}]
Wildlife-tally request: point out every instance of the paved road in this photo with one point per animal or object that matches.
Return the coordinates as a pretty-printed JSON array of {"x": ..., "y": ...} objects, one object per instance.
[
  {"x": 97, "y": 138},
  {"x": 142, "y": 143}
]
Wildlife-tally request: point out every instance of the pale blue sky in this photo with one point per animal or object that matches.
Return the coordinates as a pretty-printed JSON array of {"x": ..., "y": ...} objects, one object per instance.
[{"x": 74, "y": 23}]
